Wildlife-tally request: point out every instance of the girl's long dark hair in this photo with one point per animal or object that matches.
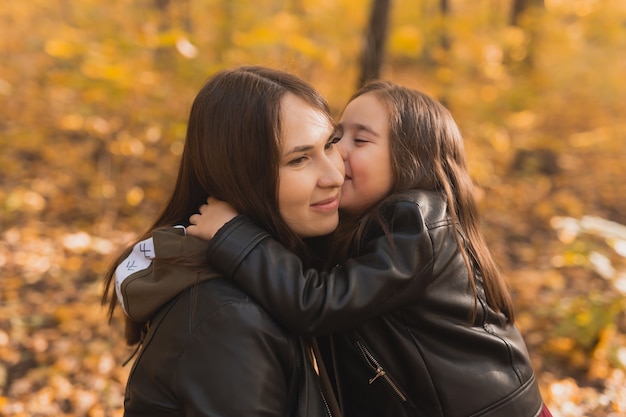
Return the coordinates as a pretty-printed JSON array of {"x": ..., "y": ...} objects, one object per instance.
[
  {"x": 427, "y": 153},
  {"x": 231, "y": 152}
]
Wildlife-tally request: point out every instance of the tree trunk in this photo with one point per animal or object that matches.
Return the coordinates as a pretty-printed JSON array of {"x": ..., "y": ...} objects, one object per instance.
[
  {"x": 520, "y": 6},
  {"x": 187, "y": 21},
  {"x": 444, "y": 9},
  {"x": 518, "y": 10},
  {"x": 375, "y": 37},
  {"x": 443, "y": 59},
  {"x": 227, "y": 17},
  {"x": 163, "y": 56}
]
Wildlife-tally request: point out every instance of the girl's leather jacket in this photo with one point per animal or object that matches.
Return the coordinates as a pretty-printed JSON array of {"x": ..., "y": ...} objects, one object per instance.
[
  {"x": 209, "y": 349},
  {"x": 398, "y": 314}
]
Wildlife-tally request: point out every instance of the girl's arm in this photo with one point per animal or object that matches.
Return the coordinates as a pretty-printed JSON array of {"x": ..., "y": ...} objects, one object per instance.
[{"x": 308, "y": 301}]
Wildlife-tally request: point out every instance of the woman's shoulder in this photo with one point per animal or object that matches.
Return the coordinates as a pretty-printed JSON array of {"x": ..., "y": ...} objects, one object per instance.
[
  {"x": 215, "y": 329},
  {"x": 220, "y": 300}
]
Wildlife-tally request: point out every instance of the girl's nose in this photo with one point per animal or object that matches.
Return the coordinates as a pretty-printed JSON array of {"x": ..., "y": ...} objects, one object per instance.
[{"x": 343, "y": 150}]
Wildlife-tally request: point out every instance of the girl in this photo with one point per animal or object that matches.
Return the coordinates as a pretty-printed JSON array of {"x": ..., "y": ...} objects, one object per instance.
[
  {"x": 421, "y": 321},
  {"x": 262, "y": 140}
]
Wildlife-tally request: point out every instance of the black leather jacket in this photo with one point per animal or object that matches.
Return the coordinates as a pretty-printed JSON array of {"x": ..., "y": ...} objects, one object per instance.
[
  {"x": 209, "y": 350},
  {"x": 399, "y": 317}
]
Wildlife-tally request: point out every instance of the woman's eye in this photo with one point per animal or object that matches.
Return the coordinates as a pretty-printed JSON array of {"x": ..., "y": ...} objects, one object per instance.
[
  {"x": 298, "y": 161},
  {"x": 332, "y": 142}
]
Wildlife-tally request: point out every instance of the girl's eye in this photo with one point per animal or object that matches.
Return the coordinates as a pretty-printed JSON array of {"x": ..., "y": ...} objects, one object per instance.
[{"x": 357, "y": 140}]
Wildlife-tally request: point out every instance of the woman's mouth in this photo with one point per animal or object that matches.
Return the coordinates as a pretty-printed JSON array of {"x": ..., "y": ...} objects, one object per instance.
[{"x": 327, "y": 204}]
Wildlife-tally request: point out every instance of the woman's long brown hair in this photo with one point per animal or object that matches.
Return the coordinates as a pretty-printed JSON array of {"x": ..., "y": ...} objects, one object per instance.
[
  {"x": 427, "y": 152},
  {"x": 231, "y": 152}
]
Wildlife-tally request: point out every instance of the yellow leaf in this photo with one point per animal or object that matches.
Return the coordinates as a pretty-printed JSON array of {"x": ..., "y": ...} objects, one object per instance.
[
  {"x": 134, "y": 196},
  {"x": 407, "y": 40},
  {"x": 59, "y": 48}
]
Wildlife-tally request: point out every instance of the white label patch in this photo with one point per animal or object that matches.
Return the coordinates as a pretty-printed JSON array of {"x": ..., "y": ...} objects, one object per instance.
[{"x": 138, "y": 260}]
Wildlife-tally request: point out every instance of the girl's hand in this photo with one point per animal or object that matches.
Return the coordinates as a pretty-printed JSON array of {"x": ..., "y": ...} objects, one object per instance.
[{"x": 213, "y": 215}]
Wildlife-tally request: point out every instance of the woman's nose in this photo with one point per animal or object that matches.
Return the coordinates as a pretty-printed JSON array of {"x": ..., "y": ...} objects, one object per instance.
[
  {"x": 343, "y": 150},
  {"x": 333, "y": 171}
]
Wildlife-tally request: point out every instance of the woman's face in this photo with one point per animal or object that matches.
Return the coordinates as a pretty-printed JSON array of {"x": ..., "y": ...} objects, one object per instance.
[
  {"x": 365, "y": 149},
  {"x": 311, "y": 170}
]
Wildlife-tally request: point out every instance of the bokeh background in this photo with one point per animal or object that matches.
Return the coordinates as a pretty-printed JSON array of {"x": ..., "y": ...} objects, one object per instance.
[{"x": 94, "y": 97}]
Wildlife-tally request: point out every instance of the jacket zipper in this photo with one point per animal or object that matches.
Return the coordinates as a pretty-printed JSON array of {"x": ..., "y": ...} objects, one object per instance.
[
  {"x": 301, "y": 402},
  {"x": 326, "y": 403},
  {"x": 380, "y": 372},
  {"x": 319, "y": 387}
]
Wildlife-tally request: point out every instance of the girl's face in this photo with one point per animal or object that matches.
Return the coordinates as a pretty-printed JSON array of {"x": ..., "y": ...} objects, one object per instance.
[
  {"x": 365, "y": 149},
  {"x": 311, "y": 170}
]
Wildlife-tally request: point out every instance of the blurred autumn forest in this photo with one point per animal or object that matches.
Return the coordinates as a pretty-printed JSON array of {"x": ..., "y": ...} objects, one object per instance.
[{"x": 94, "y": 97}]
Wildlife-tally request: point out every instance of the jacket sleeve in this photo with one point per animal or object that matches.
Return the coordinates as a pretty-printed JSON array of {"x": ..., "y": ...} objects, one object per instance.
[
  {"x": 314, "y": 302},
  {"x": 237, "y": 363}
]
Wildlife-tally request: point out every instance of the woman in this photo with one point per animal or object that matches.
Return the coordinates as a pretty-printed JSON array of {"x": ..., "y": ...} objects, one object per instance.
[
  {"x": 422, "y": 322},
  {"x": 262, "y": 140}
]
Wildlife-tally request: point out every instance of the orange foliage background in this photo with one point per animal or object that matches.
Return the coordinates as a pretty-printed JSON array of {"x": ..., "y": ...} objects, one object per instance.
[{"x": 94, "y": 97}]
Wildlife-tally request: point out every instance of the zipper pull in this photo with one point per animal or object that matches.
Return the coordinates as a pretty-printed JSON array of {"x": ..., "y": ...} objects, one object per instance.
[{"x": 379, "y": 372}]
